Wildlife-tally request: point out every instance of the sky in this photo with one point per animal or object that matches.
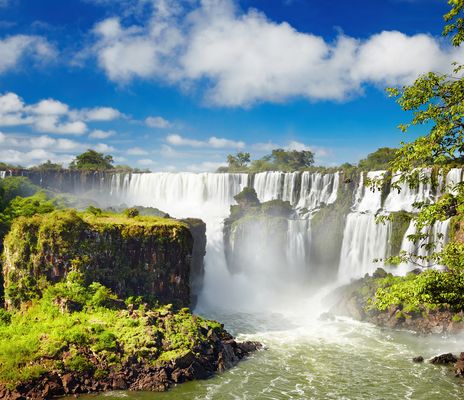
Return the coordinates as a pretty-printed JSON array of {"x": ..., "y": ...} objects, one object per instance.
[{"x": 176, "y": 85}]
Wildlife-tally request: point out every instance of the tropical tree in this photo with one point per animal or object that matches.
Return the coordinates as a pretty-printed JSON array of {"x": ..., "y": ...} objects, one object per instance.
[
  {"x": 92, "y": 160},
  {"x": 378, "y": 160},
  {"x": 436, "y": 101},
  {"x": 239, "y": 161}
]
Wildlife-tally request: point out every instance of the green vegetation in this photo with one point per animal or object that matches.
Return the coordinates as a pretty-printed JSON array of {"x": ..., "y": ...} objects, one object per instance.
[
  {"x": 48, "y": 166},
  {"x": 378, "y": 160},
  {"x": 82, "y": 328},
  {"x": 278, "y": 160},
  {"x": 91, "y": 160},
  {"x": 399, "y": 225},
  {"x": 415, "y": 293},
  {"x": 44, "y": 248}
]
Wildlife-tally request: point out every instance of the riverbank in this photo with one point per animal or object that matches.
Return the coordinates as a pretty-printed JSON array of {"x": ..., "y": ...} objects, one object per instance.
[{"x": 426, "y": 302}]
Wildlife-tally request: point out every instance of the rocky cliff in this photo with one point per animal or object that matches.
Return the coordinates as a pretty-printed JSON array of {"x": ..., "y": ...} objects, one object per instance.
[{"x": 142, "y": 256}]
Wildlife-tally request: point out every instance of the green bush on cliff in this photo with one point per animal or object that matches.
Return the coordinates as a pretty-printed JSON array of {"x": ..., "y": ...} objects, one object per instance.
[
  {"x": 429, "y": 289},
  {"x": 53, "y": 335}
]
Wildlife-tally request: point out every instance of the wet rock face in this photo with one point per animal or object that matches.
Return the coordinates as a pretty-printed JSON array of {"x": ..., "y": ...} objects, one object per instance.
[{"x": 153, "y": 261}]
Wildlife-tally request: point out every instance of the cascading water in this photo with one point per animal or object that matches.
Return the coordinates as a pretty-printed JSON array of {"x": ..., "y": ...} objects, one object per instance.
[
  {"x": 2, "y": 174},
  {"x": 364, "y": 240},
  {"x": 209, "y": 196}
]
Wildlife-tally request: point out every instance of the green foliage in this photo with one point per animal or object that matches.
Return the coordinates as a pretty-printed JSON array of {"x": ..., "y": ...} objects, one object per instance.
[
  {"x": 429, "y": 289},
  {"x": 399, "y": 225},
  {"x": 239, "y": 162},
  {"x": 91, "y": 160},
  {"x": 435, "y": 102},
  {"x": 48, "y": 337},
  {"x": 278, "y": 160},
  {"x": 378, "y": 160},
  {"x": 48, "y": 166},
  {"x": 291, "y": 160},
  {"x": 131, "y": 212},
  {"x": 96, "y": 245},
  {"x": 13, "y": 186},
  {"x": 94, "y": 210},
  {"x": 455, "y": 28}
]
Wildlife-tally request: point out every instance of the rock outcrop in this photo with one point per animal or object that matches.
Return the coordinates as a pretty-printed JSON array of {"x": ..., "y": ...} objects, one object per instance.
[
  {"x": 356, "y": 301},
  {"x": 143, "y": 256},
  {"x": 212, "y": 350}
]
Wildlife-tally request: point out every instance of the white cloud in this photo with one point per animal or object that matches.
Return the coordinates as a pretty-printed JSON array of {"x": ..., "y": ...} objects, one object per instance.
[
  {"x": 100, "y": 134},
  {"x": 157, "y": 122},
  {"x": 101, "y": 114},
  {"x": 49, "y": 107},
  {"x": 52, "y": 116},
  {"x": 14, "y": 49},
  {"x": 136, "y": 151},
  {"x": 104, "y": 148},
  {"x": 177, "y": 140},
  {"x": 246, "y": 58},
  {"x": 221, "y": 143},
  {"x": 213, "y": 141},
  {"x": 52, "y": 124},
  {"x": 145, "y": 162},
  {"x": 206, "y": 166},
  {"x": 40, "y": 142}
]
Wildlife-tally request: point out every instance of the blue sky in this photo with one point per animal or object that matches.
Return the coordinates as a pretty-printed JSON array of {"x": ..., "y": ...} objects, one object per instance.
[{"x": 177, "y": 85}]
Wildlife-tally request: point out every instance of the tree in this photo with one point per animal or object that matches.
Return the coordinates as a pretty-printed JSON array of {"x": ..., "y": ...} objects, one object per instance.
[
  {"x": 379, "y": 159},
  {"x": 291, "y": 160},
  {"x": 92, "y": 160},
  {"x": 239, "y": 161},
  {"x": 48, "y": 166},
  {"x": 436, "y": 101}
]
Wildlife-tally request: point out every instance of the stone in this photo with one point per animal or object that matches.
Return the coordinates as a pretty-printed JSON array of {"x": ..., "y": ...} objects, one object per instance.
[
  {"x": 444, "y": 359},
  {"x": 418, "y": 359}
]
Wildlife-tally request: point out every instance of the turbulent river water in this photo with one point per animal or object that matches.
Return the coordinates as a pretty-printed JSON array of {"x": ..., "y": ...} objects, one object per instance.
[
  {"x": 310, "y": 359},
  {"x": 305, "y": 358}
]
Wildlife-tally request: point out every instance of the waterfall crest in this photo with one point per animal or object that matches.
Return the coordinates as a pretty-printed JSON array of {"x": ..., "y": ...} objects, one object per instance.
[{"x": 210, "y": 195}]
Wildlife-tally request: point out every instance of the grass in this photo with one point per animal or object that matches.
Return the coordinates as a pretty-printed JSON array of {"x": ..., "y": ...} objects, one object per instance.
[{"x": 43, "y": 337}]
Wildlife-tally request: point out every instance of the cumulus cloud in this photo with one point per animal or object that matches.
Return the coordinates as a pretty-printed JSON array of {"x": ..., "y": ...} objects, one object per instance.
[
  {"x": 213, "y": 142},
  {"x": 157, "y": 122},
  {"x": 52, "y": 116},
  {"x": 205, "y": 166},
  {"x": 145, "y": 162},
  {"x": 101, "y": 114},
  {"x": 23, "y": 149},
  {"x": 104, "y": 148},
  {"x": 136, "y": 151},
  {"x": 100, "y": 134},
  {"x": 245, "y": 58},
  {"x": 14, "y": 49}
]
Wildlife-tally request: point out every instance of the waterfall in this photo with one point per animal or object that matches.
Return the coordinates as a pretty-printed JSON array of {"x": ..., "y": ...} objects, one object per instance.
[
  {"x": 315, "y": 188},
  {"x": 364, "y": 240},
  {"x": 297, "y": 247},
  {"x": 454, "y": 176},
  {"x": 404, "y": 199},
  {"x": 370, "y": 198},
  {"x": 278, "y": 261},
  {"x": 437, "y": 234},
  {"x": 2, "y": 174}
]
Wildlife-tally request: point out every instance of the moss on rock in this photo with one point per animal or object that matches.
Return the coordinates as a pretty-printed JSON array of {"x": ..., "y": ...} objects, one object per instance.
[{"x": 139, "y": 256}]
